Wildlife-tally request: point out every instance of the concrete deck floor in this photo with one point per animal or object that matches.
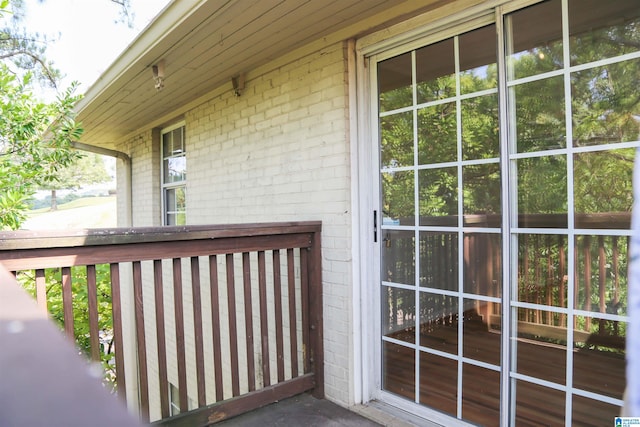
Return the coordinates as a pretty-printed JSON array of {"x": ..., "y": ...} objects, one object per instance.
[{"x": 301, "y": 410}]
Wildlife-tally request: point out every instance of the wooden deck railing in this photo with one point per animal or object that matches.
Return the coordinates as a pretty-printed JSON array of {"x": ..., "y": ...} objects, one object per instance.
[{"x": 210, "y": 321}]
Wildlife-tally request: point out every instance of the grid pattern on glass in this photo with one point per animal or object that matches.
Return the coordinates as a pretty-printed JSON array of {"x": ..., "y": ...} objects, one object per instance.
[
  {"x": 174, "y": 176},
  {"x": 572, "y": 100},
  {"x": 440, "y": 181}
]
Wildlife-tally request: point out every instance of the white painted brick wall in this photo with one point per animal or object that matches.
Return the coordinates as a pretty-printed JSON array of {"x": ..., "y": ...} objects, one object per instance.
[{"x": 279, "y": 152}]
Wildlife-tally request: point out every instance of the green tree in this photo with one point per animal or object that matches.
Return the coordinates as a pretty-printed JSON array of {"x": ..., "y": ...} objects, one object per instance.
[
  {"x": 35, "y": 143},
  {"x": 85, "y": 170}
]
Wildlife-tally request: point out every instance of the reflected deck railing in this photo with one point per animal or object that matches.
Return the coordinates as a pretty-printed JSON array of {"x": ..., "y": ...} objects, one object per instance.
[
  {"x": 207, "y": 321},
  {"x": 599, "y": 273}
]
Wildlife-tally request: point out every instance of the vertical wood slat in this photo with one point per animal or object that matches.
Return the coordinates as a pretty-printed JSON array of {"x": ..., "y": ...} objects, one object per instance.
[
  {"x": 602, "y": 282},
  {"x": 215, "y": 326},
  {"x": 161, "y": 338},
  {"x": 304, "y": 290},
  {"x": 41, "y": 290},
  {"x": 67, "y": 302},
  {"x": 562, "y": 272},
  {"x": 586, "y": 248},
  {"x": 180, "y": 345},
  {"x": 277, "y": 296},
  {"x": 264, "y": 323},
  {"x": 316, "y": 314},
  {"x": 141, "y": 340},
  {"x": 233, "y": 328},
  {"x": 116, "y": 308},
  {"x": 248, "y": 320},
  {"x": 92, "y": 299},
  {"x": 197, "y": 325},
  {"x": 293, "y": 325}
]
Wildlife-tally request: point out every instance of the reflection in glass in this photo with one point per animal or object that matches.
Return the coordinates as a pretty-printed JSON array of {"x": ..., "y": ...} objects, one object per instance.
[
  {"x": 481, "y": 189},
  {"x": 542, "y": 274},
  {"x": 439, "y": 260},
  {"x": 601, "y": 273},
  {"x": 480, "y": 395},
  {"x": 480, "y": 127},
  {"x": 535, "y": 43},
  {"x": 175, "y": 169},
  {"x": 542, "y": 189},
  {"x": 398, "y": 367},
  {"x": 438, "y": 382},
  {"x": 605, "y": 104},
  {"x": 592, "y": 412},
  {"x": 438, "y": 196},
  {"x": 437, "y": 134},
  {"x": 599, "y": 29},
  {"x": 482, "y": 264},
  {"x": 394, "y": 82},
  {"x": 435, "y": 71},
  {"x": 538, "y": 406},
  {"x": 398, "y": 253},
  {"x": 478, "y": 60},
  {"x": 481, "y": 331},
  {"x": 398, "y": 198},
  {"x": 173, "y": 143},
  {"x": 396, "y": 140},
  {"x": 399, "y": 314},
  {"x": 542, "y": 347},
  {"x": 439, "y": 322},
  {"x": 602, "y": 183},
  {"x": 175, "y": 199},
  {"x": 599, "y": 343},
  {"x": 540, "y": 118}
]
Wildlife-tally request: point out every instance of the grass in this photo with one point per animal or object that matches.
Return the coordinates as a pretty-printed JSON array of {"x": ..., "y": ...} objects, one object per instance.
[{"x": 77, "y": 203}]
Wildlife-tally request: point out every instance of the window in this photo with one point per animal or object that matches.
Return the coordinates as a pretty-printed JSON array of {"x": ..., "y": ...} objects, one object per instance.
[{"x": 174, "y": 175}]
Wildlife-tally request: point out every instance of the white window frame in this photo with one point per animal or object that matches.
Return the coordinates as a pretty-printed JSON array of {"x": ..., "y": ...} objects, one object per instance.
[{"x": 171, "y": 185}]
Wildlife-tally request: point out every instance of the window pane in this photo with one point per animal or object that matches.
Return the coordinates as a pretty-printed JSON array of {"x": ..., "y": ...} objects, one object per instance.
[
  {"x": 439, "y": 260},
  {"x": 542, "y": 271},
  {"x": 482, "y": 264},
  {"x": 605, "y": 104},
  {"x": 399, "y": 364},
  {"x": 394, "y": 82},
  {"x": 437, "y": 134},
  {"x": 542, "y": 189},
  {"x": 175, "y": 169},
  {"x": 536, "y": 40},
  {"x": 538, "y": 406},
  {"x": 481, "y": 331},
  {"x": 603, "y": 188},
  {"x": 438, "y": 196},
  {"x": 439, "y": 322},
  {"x": 435, "y": 71},
  {"x": 602, "y": 29},
  {"x": 478, "y": 60},
  {"x": 438, "y": 382},
  {"x": 601, "y": 274},
  {"x": 599, "y": 356},
  {"x": 178, "y": 141},
  {"x": 481, "y": 190},
  {"x": 398, "y": 255},
  {"x": 167, "y": 145},
  {"x": 399, "y": 321},
  {"x": 592, "y": 412},
  {"x": 542, "y": 347},
  {"x": 396, "y": 140},
  {"x": 398, "y": 198},
  {"x": 175, "y": 199},
  {"x": 480, "y": 395},
  {"x": 480, "y": 127},
  {"x": 540, "y": 117}
]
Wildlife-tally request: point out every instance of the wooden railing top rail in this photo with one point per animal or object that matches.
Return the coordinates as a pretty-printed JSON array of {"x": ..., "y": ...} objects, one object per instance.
[{"x": 25, "y": 239}]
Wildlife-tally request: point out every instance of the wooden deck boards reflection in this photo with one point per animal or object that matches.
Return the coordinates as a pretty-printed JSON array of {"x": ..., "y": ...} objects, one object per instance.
[{"x": 595, "y": 370}]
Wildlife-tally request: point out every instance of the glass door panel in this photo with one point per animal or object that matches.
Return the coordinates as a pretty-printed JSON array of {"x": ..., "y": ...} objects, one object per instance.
[{"x": 560, "y": 200}]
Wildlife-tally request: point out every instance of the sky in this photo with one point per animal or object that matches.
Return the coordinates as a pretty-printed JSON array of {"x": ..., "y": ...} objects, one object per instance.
[{"x": 84, "y": 38}]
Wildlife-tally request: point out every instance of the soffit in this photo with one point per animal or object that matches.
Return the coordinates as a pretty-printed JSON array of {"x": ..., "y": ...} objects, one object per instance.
[{"x": 205, "y": 43}]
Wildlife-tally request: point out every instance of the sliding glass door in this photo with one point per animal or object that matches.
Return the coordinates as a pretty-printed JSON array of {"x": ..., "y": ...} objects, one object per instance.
[{"x": 505, "y": 198}]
